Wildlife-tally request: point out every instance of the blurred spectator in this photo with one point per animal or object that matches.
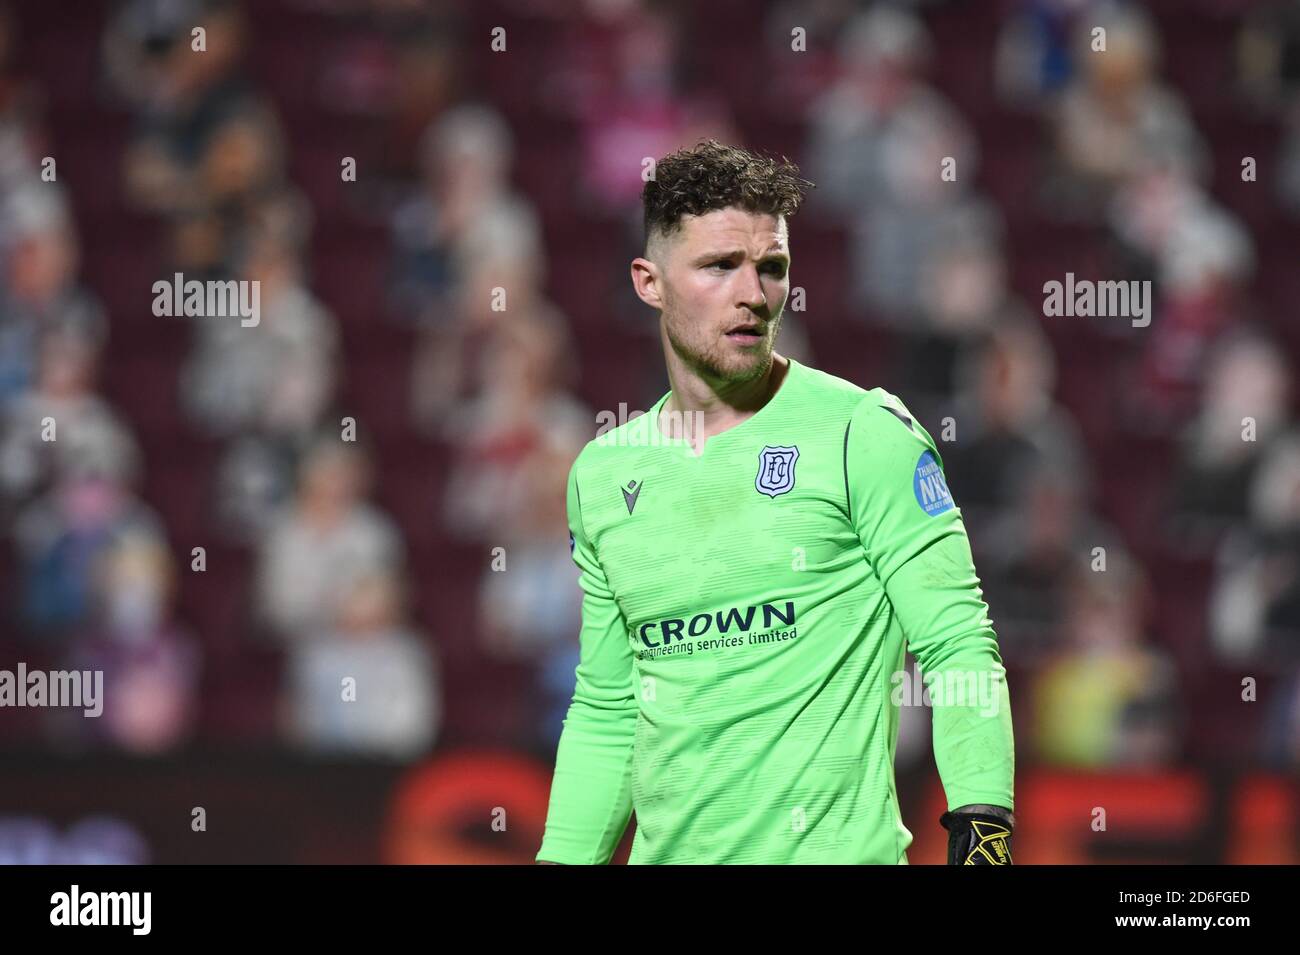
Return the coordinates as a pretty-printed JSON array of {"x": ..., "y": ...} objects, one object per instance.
[
  {"x": 254, "y": 479},
  {"x": 500, "y": 287},
  {"x": 150, "y": 666},
  {"x": 964, "y": 297},
  {"x": 1255, "y": 607},
  {"x": 1027, "y": 556},
  {"x": 808, "y": 72},
  {"x": 404, "y": 64},
  {"x": 1108, "y": 700},
  {"x": 1199, "y": 257},
  {"x": 465, "y": 209},
  {"x": 426, "y": 81},
  {"x": 521, "y": 410},
  {"x": 323, "y": 542},
  {"x": 1007, "y": 424},
  {"x": 40, "y": 293},
  {"x": 531, "y": 606},
  {"x": 275, "y": 376},
  {"x": 1035, "y": 55},
  {"x": 180, "y": 99},
  {"x": 508, "y": 488},
  {"x": 239, "y": 198},
  {"x": 1244, "y": 406},
  {"x": 1115, "y": 113},
  {"x": 267, "y": 385},
  {"x": 61, "y": 428},
  {"x": 241, "y": 189},
  {"x": 1036, "y": 51},
  {"x": 618, "y": 78},
  {"x": 878, "y": 142},
  {"x": 368, "y": 685},
  {"x": 60, "y": 539}
]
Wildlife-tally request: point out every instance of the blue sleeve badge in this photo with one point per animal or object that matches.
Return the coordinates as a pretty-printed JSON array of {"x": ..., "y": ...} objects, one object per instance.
[
  {"x": 572, "y": 542},
  {"x": 930, "y": 488}
]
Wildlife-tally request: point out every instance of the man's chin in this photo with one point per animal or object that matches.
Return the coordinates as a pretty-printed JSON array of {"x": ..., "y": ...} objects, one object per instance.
[{"x": 739, "y": 369}]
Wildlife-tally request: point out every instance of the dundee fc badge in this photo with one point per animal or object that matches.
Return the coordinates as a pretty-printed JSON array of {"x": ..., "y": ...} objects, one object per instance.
[{"x": 776, "y": 469}]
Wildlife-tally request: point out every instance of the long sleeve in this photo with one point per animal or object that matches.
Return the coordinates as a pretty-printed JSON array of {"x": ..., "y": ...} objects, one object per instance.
[
  {"x": 914, "y": 538},
  {"x": 591, "y": 792}
]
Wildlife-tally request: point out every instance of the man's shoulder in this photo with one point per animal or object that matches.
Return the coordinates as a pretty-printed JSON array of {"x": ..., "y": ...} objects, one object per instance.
[
  {"x": 884, "y": 431},
  {"x": 819, "y": 385},
  {"x": 872, "y": 417},
  {"x": 863, "y": 405}
]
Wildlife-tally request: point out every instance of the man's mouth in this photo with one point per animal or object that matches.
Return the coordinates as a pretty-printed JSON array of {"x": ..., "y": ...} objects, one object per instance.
[{"x": 746, "y": 333}]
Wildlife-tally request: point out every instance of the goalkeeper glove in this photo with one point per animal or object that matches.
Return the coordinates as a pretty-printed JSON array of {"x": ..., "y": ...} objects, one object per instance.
[{"x": 979, "y": 835}]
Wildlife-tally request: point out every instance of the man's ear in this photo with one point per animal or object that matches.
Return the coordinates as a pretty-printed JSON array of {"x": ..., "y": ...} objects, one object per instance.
[{"x": 646, "y": 280}]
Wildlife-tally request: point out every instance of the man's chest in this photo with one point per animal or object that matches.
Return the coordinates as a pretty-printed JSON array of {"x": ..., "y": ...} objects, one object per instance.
[{"x": 753, "y": 523}]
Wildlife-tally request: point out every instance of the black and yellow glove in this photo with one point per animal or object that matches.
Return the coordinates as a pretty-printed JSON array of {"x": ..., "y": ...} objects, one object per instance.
[{"x": 979, "y": 835}]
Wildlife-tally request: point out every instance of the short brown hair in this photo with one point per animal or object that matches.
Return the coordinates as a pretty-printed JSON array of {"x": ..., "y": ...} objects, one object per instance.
[{"x": 712, "y": 176}]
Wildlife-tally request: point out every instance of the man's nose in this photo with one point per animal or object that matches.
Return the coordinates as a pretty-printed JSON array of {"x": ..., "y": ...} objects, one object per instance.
[{"x": 751, "y": 292}]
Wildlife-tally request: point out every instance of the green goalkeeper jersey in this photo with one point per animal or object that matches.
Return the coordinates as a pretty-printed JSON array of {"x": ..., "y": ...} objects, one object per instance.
[{"x": 744, "y": 620}]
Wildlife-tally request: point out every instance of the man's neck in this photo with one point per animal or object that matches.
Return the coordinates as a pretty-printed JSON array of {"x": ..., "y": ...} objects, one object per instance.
[{"x": 707, "y": 411}]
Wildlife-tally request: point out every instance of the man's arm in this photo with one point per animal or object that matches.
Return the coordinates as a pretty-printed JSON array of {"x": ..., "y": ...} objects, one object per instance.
[
  {"x": 591, "y": 792},
  {"x": 915, "y": 539}
]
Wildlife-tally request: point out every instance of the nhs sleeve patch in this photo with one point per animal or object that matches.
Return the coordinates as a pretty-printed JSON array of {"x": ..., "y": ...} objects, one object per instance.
[{"x": 930, "y": 488}]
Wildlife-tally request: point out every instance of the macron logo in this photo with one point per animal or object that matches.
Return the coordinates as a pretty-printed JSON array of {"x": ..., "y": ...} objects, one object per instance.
[
  {"x": 102, "y": 908},
  {"x": 630, "y": 494}
]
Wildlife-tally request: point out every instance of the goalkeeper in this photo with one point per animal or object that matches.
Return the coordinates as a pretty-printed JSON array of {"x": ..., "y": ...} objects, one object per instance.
[{"x": 756, "y": 554}]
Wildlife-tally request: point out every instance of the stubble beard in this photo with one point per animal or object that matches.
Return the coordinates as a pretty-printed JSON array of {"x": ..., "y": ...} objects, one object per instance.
[{"x": 713, "y": 360}]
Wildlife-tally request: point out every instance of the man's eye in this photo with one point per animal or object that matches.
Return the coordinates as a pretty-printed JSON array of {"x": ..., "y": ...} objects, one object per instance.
[
  {"x": 776, "y": 268},
  {"x": 721, "y": 264}
]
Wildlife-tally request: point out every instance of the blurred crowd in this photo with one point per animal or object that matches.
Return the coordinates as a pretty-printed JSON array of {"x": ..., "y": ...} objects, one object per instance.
[{"x": 501, "y": 376}]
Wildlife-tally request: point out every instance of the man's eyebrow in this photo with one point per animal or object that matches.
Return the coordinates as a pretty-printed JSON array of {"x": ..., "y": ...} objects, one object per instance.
[{"x": 740, "y": 253}]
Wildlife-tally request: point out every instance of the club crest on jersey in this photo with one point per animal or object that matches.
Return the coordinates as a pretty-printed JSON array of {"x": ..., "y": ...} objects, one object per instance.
[{"x": 776, "y": 469}]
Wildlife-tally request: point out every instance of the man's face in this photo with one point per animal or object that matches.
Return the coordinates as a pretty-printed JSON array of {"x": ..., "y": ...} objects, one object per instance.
[{"x": 723, "y": 282}]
